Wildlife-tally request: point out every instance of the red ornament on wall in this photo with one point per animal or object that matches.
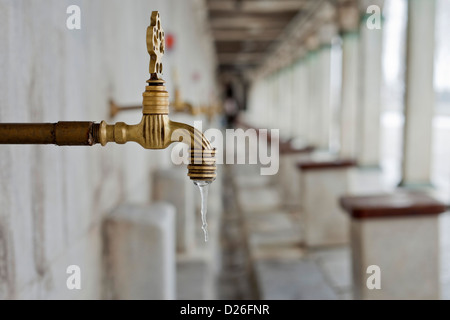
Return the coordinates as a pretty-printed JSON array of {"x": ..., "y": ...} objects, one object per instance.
[{"x": 170, "y": 41}]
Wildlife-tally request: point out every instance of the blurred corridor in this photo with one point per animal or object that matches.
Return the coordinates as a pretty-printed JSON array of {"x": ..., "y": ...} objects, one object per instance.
[{"x": 331, "y": 124}]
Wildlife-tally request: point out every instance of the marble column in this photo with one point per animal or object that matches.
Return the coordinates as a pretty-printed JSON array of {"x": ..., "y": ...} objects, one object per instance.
[
  {"x": 326, "y": 33},
  {"x": 274, "y": 116},
  {"x": 284, "y": 103},
  {"x": 419, "y": 93},
  {"x": 295, "y": 112},
  {"x": 264, "y": 102},
  {"x": 348, "y": 15},
  {"x": 312, "y": 45},
  {"x": 289, "y": 87},
  {"x": 300, "y": 103},
  {"x": 371, "y": 39}
]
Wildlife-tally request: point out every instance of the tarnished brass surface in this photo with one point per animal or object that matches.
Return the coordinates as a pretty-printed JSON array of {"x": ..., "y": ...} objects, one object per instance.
[
  {"x": 178, "y": 105},
  {"x": 156, "y": 98},
  {"x": 61, "y": 133},
  {"x": 155, "y": 131},
  {"x": 155, "y": 43}
]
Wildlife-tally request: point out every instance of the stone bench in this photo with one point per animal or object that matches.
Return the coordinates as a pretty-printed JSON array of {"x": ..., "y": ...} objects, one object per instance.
[
  {"x": 172, "y": 185},
  {"x": 321, "y": 185},
  {"x": 139, "y": 252},
  {"x": 288, "y": 178},
  {"x": 399, "y": 233}
]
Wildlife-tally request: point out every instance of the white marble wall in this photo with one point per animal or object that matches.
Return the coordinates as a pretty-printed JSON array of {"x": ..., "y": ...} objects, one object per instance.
[{"x": 52, "y": 199}]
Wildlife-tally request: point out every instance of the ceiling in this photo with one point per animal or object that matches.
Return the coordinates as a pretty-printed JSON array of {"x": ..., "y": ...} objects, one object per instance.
[{"x": 245, "y": 30}]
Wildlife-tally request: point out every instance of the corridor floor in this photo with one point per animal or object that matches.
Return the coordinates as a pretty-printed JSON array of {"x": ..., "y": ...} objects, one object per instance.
[{"x": 263, "y": 252}]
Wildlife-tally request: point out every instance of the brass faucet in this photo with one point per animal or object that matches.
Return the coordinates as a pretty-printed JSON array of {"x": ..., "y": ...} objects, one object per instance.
[
  {"x": 155, "y": 131},
  {"x": 177, "y": 105}
]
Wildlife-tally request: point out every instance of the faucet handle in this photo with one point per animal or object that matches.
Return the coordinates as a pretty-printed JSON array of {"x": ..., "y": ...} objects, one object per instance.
[{"x": 155, "y": 43}]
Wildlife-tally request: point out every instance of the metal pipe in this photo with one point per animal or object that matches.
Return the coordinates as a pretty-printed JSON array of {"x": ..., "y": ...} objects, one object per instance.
[
  {"x": 61, "y": 133},
  {"x": 114, "y": 109}
]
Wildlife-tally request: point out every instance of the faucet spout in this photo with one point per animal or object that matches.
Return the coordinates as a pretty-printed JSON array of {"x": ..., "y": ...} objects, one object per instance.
[
  {"x": 157, "y": 131},
  {"x": 188, "y": 134},
  {"x": 202, "y": 165}
]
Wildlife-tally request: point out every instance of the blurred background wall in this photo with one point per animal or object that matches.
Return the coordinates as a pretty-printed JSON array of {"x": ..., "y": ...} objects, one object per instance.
[{"x": 52, "y": 199}]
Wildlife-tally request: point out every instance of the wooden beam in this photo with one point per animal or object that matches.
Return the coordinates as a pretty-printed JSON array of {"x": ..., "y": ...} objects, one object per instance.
[
  {"x": 302, "y": 23},
  {"x": 248, "y": 46},
  {"x": 262, "y": 6},
  {"x": 242, "y": 35},
  {"x": 243, "y": 22},
  {"x": 226, "y": 71},
  {"x": 239, "y": 58}
]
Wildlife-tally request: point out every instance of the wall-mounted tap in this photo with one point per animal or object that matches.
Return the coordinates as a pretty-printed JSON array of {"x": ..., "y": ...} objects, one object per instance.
[
  {"x": 115, "y": 109},
  {"x": 177, "y": 105},
  {"x": 155, "y": 131}
]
